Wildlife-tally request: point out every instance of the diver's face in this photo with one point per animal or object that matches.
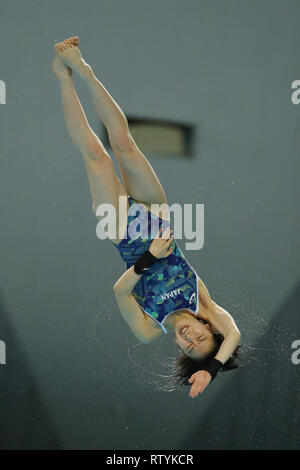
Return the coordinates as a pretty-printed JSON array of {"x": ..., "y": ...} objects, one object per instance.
[{"x": 194, "y": 338}]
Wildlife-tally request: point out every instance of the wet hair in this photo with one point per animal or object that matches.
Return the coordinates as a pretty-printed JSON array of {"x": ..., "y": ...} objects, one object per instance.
[{"x": 184, "y": 366}]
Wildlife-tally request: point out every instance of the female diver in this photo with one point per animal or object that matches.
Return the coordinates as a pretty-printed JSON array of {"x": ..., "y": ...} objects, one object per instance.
[{"x": 160, "y": 292}]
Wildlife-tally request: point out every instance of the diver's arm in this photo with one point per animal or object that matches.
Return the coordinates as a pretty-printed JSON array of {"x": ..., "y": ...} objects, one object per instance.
[
  {"x": 139, "y": 323},
  {"x": 159, "y": 248},
  {"x": 137, "y": 320},
  {"x": 127, "y": 282},
  {"x": 228, "y": 346},
  {"x": 200, "y": 379},
  {"x": 223, "y": 322},
  {"x": 204, "y": 297},
  {"x": 128, "y": 306}
]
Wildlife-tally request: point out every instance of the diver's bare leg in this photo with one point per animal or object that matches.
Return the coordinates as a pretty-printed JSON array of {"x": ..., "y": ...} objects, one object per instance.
[
  {"x": 105, "y": 185},
  {"x": 139, "y": 178}
]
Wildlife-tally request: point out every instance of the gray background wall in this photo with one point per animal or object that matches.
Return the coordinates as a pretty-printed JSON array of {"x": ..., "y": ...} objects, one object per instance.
[{"x": 226, "y": 66}]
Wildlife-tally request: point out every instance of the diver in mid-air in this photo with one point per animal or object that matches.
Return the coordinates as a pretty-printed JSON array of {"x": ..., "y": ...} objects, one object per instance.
[{"x": 160, "y": 291}]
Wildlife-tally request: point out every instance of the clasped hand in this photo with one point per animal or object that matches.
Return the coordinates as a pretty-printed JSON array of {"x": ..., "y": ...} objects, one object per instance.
[{"x": 161, "y": 247}]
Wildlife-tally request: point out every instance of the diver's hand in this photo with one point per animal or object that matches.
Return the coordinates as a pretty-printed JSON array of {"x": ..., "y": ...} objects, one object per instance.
[
  {"x": 199, "y": 381},
  {"x": 161, "y": 247}
]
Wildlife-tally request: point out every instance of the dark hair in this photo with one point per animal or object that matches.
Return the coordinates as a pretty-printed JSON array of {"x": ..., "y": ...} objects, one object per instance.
[{"x": 183, "y": 367}]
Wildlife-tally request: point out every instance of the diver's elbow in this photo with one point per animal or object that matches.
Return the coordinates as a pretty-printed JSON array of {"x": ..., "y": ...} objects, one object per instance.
[{"x": 237, "y": 334}]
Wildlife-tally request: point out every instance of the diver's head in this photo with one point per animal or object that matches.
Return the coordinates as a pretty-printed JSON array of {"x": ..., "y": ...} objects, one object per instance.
[
  {"x": 198, "y": 342},
  {"x": 194, "y": 338}
]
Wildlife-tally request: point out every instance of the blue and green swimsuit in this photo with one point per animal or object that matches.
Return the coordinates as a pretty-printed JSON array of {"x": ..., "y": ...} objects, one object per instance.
[{"x": 170, "y": 283}]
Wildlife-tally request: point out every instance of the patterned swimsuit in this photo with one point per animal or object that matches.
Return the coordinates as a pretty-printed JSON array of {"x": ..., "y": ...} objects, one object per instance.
[{"x": 171, "y": 282}]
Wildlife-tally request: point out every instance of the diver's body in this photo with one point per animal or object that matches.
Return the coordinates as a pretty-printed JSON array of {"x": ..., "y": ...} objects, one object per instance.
[{"x": 141, "y": 183}]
